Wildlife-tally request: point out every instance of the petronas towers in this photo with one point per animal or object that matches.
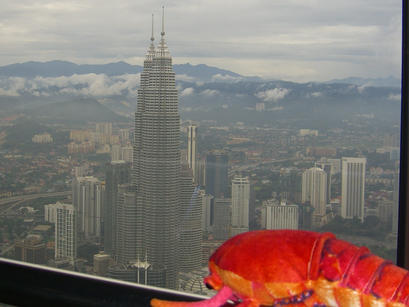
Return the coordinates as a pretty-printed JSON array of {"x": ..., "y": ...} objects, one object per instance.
[{"x": 157, "y": 167}]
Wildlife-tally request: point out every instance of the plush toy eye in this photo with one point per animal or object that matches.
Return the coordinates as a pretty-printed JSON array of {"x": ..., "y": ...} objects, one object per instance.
[{"x": 208, "y": 286}]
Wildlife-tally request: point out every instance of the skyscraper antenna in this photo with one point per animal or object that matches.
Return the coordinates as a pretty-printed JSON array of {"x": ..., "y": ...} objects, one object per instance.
[
  {"x": 152, "y": 38},
  {"x": 163, "y": 21}
]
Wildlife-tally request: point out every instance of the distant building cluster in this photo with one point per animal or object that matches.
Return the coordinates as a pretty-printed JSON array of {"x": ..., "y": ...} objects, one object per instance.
[
  {"x": 84, "y": 147},
  {"x": 124, "y": 153},
  {"x": 310, "y": 132},
  {"x": 43, "y": 138},
  {"x": 103, "y": 140}
]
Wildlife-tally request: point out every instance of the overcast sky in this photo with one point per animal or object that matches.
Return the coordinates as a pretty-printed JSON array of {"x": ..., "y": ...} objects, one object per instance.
[{"x": 298, "y": 40}]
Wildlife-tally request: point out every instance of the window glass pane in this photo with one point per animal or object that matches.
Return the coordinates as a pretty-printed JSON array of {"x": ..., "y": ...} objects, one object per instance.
[{"x": 128, "y": 158}]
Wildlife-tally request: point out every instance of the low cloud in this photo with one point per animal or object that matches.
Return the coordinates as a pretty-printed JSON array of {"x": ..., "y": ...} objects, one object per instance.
[
  {"x": 362, "y": 88},
  {"x": 315, "y": 94},
  {"x": 98, "y": 85},
  {"x": 225, "y": 78},
  {"x": 209, "y": 92},
  {"x": 273, "y": 94},
  {"x": 13, "y": 86},
  {"x": 187, "y": 92},
  {"x": 280, "y": 108},
  {"x": 186, "y": 78},
  {"x": 396, "y": 97}
]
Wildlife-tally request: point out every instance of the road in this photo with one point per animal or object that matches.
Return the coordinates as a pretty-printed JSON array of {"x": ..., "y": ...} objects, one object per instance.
[
  {"x": 32, "y": 196},
  {"x": 7, "y": 204}
]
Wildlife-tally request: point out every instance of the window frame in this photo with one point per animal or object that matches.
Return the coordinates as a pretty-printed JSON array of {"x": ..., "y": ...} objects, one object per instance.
[
  {"x": 26, "y": 284},
  {"x": 403, "y": 225}
]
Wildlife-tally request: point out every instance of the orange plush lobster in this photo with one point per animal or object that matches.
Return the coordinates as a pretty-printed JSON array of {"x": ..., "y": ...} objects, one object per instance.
[{"x": 299, "y": 268}]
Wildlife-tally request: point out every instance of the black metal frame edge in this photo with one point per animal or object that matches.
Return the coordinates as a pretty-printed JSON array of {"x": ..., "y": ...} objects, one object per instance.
[
  {"x": 23, "y": 284},
  {"x": 403, "y": 226}
]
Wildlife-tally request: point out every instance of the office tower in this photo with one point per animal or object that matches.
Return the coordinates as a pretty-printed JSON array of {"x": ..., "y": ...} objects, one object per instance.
[
  {"x": 305, "y": 212},
  {"x": 124, "y": 136},
  {"x": 253, "y": 219},
  {"x": 335, "y": 164},
  {"x": 125, "y": 249},
  {"x": 327, "y": 168},
  {"x": 240, "y": 199},
  {"x": 116, "y": 173},
  {"x": 82, "y": 170},
  {"x": 191, "y": 150},
  {"x": 116, "y": 153},
  {"x": 201, "y": 171},
  {"x": 32, "y": 249},
  {"x": 102, "y": 262},
  {"x": 127, "y": 153},
  {"x": 190, "y": 223},
  {"x": 385, "y": 212},
  {"x": 50, "y": 213},
  {"x": 217, "y": 174},
  {"x": 279, "y": 215},
  {"x": 88, "y": 199},
  {"x": 353, "y": 188},
  {"x": 156, "y": 165},
  {"x": 222, "y": 218},
  {"x": 207, "y": 211},
  {"x": 395, "y": 210},
  {"x": 290, "y": 179},
  {"x": 65, "y": 232},
  {"x": 103, "y": 128},
  {"x": 314, "y": 191}
]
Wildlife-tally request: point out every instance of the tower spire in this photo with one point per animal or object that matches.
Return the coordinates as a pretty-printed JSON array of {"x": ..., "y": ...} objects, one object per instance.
[
  {"x": 152, "y": 38},
  {"x": 162, "y": 48},
  {"x": 151, "y": 50},
  {"x": 163, "y": 22}
]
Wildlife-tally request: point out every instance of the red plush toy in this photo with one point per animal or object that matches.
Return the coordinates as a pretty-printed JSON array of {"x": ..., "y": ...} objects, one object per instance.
[{"x": 299, "y": 268}]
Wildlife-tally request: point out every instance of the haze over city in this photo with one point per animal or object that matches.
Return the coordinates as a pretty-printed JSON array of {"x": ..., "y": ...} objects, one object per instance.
[
  {"x": 138, "y": 166},
  {"x": 295, "y": 40}
]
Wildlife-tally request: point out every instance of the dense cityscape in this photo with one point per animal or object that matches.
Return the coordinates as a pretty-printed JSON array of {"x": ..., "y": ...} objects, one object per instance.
[{"x": 149, "y": 200}]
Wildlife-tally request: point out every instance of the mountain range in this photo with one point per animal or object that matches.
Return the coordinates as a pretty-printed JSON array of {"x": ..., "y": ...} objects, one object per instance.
[
  {"x": 32, "y": 69},
  {"x": 64, "y": 91},
  {"x": 200, "y": 72}
]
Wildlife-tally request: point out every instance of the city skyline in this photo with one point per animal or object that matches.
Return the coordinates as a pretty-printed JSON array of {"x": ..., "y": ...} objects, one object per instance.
[
  {"x": 332, "y": 40},
  {"x": 159, "y": 222}
]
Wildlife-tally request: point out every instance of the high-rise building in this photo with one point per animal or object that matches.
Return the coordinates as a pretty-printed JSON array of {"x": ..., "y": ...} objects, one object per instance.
[
  {"x": 116, "y": 173},
  {"x": 88, "y": 194},
  {"x": 201, "y": 171},
  {"x": 190, "y": 224},
  {"x": 65, "y": 232},
  {"x": 335, "y": 164},
  {"x": 327, "y": 168},
  {"x": 102, "y": 262},
  {"x": 191, "y": 150},
  {"x": 116, "y": 152},
  {"x": 50, "y": 213},
  {"x": 156, "y": 165},
  {"x": 217, "y": 174},
  {"x": 103, "y": 128},
  {"x": 207, "y": 211},
  {"x": 125, "y": 249},
  {"x": 395, "y": 205},
  {"x": 279, "y": 215},
  {"x": 240, "y": 199},
  {"x": 32, "y": 249},
  {"x": 353, "y": 188},
  {"x": 222, "y": 218},
  {"x": 314, "y": 190}
]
